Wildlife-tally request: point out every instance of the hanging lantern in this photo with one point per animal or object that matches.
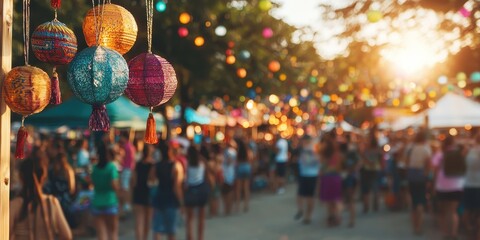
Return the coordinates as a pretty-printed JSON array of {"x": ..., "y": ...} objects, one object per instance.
[
  {"x": 152, "y": 80},
  {"x": 244, "y": 55},
  {"x": 184, "y": 18},
  {"x": 26, "y": 90},
  {"x": 265, "y": 5},
  {"x": 98, "y": 76},
  {"x": 241, "y": 72},
  {"x": 53, "y": 42},
  {"x": 199, "y": 41},
  {"x": 274, "y": 66},
  {"x": 183, "y": 32},
  {"x": 267, "y": 33},
  {"x": 220, "y": 31},
  {"x": 230, "y": 60},
  {"x": 374, "y": 16},
  {"x": 118, "y": 29}
]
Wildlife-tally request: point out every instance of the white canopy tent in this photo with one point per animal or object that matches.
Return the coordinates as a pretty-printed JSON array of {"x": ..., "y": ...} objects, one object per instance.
[{"x": 453, "y": 110}]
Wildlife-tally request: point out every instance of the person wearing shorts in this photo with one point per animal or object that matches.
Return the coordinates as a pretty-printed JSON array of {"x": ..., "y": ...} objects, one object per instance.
[
  {"x": 168, "y": 197},
  {"x": 229, "y": 175},
  {"x": 309, "y": 167},
  {"x": 449, "y": 191},
  {"x": 281, "y": 159},
  {"x": 471, "y": 192},
  {"x": 105, "y": 201}
]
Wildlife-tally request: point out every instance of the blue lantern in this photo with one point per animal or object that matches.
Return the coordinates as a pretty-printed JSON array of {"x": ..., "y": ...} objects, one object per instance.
[
  {"x": 244, "y": 55},
  {"x": 98, "y": 76},
  {"x": 475, "y": 77}
]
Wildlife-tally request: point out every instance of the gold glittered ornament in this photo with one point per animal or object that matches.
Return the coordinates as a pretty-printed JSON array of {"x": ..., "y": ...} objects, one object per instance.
[{"x": 118, "y": 27}]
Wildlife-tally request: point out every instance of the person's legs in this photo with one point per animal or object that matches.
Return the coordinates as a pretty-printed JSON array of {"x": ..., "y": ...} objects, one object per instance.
[
  {"x": 112, "y": 226},
  {"x": 452, "y": 218},
  {"x": 308, "y": 213},
  {"x": 147, "y": 221},
  {"x": 100, "y": 223},
  {"x": 139, "y": 222},
  {"x": 366, "y": 202},
  {"x": 246, "y": 194},
  {"x": 351, "y": 205},
  {"x": 201, "y": 223},
  {"x": 189, "y": 223},
  {"x": 300, "y": 204}
]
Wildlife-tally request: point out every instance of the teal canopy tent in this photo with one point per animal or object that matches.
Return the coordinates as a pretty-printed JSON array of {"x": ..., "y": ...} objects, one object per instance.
[{"x": 75, "y": 114}]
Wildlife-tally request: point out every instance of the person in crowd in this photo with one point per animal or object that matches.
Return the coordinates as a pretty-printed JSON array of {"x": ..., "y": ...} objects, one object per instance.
[
  {"x": 83, "y": 156},
  {"x": 293, "y": 162},
  {"x": 400, "y": 156},
  {"x": 168, "y": 198},
  {"x": 472, "y": 190},
  {"x": 331, "y": 181},
  {"x": 418, "y": 169},
  {"x": 281, "y": 159},
  {"x": 127, "y": 167},
  {"x": 215, "y": 177},
  {"x": 196, "y": 193},
  {"x": 370, "y": 172},
  {"x": 228, "y": 169},
  {"x": 243, "y": 175},
  {"x": 141, "y": 193},
  {"x": 449, "y": 188},
  {"x": 61, "y": 184},
  {"x": 309, "y": 168},
  {"x": 33, "y": 214},
  {"x": 350, "y": 181},
  {"x": 105, "y": 199}
]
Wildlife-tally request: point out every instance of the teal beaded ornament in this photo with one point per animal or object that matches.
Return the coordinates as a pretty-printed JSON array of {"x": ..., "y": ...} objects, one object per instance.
[{"x": 98, "y": 76}]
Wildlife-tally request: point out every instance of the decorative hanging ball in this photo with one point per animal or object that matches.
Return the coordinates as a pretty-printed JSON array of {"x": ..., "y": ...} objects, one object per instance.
[
  {"x": 182, "y": 32},
  {"x": 199, "y": 41},
  {"x": 26, "y": 90},
  {"x": 53, "y": 42},
  {"x": 98, "y": 76},
  {"x": 242, "y": 73},
  {"x": 274, "y": 66},
  {"x": 230, "y": 60},
  {"x": 56, "y": 3},
  {"x": 265, "y": 5},
  {"x": 152, "y": 82},
  {"x": 220, "y": 31},
  {"x": 475, "y": 77},
  {"x": 267, "y": 33},
  {"x": 118, "y": 27},
  {"x": 244, "y": 55},
  {"x": 374, "y": 16},
  {"x": 184, "y": 18}
]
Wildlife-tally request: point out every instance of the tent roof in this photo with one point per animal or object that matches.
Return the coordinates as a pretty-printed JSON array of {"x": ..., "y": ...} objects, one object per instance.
[
  {"x": 75, "y": 114},
  {"x": 453, "y": 110}
]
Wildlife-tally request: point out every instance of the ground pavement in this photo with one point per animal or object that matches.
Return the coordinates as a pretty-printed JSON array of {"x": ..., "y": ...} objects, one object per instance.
[{"x": 271, "y": 218}]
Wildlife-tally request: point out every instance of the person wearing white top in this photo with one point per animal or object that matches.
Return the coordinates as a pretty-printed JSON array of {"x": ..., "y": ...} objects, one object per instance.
[
  {"x": 471, "y": 192},
  {"x": 281, "y": 159},
  {"x": 449, "y": 191}
]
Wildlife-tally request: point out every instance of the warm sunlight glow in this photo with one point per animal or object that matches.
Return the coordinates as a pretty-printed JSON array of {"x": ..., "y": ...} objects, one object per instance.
[{"x": 413, "y": 55}]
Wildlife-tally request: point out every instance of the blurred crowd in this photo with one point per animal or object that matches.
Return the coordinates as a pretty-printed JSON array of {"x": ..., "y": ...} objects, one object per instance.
[{"x": 83, "y": 187}]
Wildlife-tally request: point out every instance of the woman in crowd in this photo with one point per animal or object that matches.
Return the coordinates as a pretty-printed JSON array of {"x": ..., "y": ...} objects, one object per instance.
[
  {"x": 196, "y": 194},
  {"x": 370, "y": 171},
  {"x": 243, "y": 175},
  {"x": 309, "y": 167},
  {"x": 141, "y": 193},
  {"x": 449, "y": 189},
  {"x": 350, "y": 182},
  {"x": 215, "y": 176},
  {"x": 472, "y": 190},
  {"x": 228, "y": 169},
  {"x": 35, "y": 215},
  {"x": 418, "y": 169},
  {"x": 61, "y": 184},
  {"x": 105, "y": 200},
  {"x": 331, "y": 181},
  {"x": 168, "y": 198}
]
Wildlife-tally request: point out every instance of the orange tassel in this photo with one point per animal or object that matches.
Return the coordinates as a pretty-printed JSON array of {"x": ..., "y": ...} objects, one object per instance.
[
  {"x": 151, "y": 131},
  {"x": 21, "y": 138}
]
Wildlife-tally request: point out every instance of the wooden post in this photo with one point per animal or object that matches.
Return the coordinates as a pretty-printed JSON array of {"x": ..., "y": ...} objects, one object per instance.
[{"x": 6, "y": 9}]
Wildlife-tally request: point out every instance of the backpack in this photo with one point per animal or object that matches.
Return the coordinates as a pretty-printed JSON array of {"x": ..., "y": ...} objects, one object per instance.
[{"x": 454, "y": 164}]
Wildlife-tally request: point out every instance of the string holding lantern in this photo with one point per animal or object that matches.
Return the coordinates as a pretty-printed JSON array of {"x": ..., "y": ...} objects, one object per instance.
[
  {"x": 98, "y": 75},
  {"x": 152, "y": 79},
  {"x": 54, "y": 43},
  {"x": 119, "y": 28},
  {"x": 26, "y": 89}
]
